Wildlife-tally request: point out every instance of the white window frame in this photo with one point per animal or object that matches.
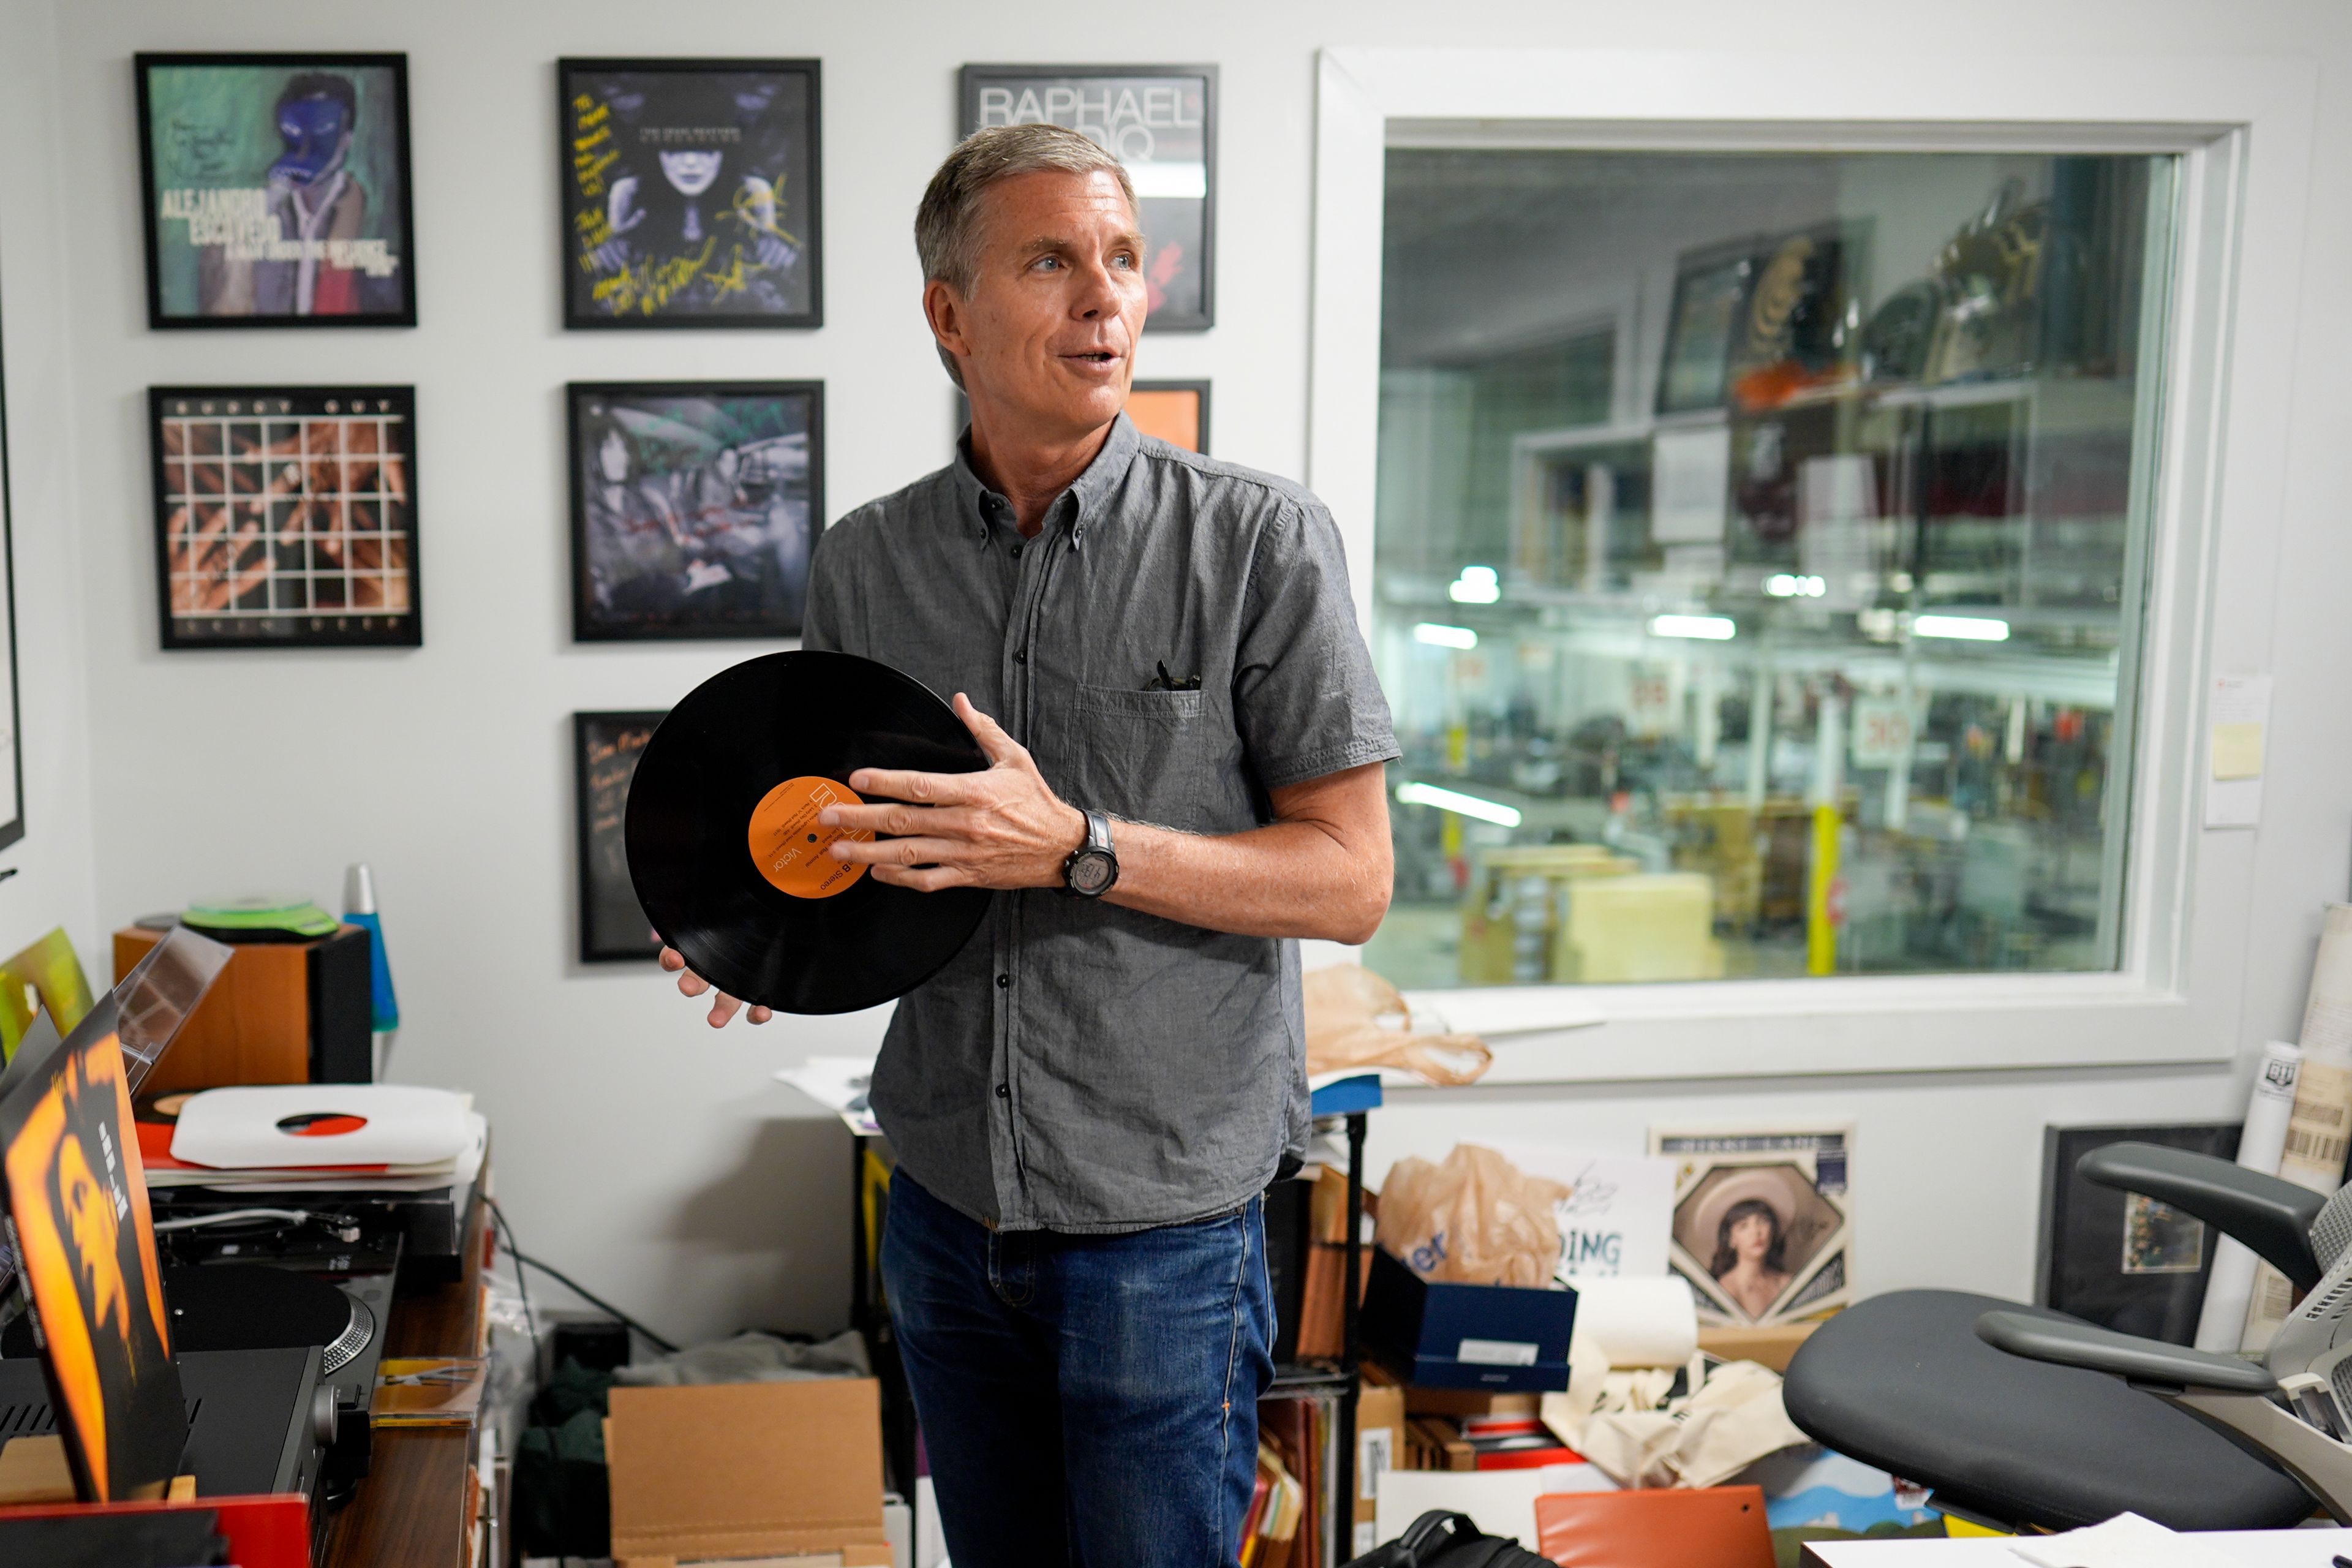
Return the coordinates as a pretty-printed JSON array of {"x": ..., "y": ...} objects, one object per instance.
[{"x": 2242, "y": 130}]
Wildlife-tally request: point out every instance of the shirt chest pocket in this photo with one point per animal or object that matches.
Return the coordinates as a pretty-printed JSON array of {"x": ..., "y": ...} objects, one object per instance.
[{"x": 1151, "y": 757}]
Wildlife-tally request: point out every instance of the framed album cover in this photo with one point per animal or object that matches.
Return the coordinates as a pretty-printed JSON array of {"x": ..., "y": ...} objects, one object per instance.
[
  {"x": 689, "y": 191},
  {"x": 2118, "y": 1259},
  {"x": 1762, "y": 1228},
  {"x": 604, "y": 752},
  {"x": 694, "y": 507},
  {"x": 276, "y": 190},
  {"x": 1175, "y": 411},
  {"x": 285, "y": 516},
  {"x": 1161, "y": 122}
]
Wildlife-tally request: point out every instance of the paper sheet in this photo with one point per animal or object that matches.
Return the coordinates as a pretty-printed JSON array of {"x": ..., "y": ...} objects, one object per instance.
[
  {"x": 837, "y": 1083},
  {"x": 2238, "y": 713},
  {"x": 2127, "y": 1541}
]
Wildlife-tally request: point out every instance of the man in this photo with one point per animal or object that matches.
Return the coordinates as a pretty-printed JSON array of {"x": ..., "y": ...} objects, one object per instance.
[{"x": 1158, "y": 654}]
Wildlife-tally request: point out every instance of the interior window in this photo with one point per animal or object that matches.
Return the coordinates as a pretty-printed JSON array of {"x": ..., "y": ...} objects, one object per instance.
[{"x": 1759, "y": 576}]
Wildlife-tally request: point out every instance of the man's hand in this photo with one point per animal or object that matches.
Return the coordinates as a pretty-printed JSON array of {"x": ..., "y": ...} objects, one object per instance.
[
  {"x": 1001, "y": 828},
  {"x": 723, "y": 1006}
]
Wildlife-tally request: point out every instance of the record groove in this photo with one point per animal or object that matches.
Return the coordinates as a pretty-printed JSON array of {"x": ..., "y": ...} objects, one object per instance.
[{"x": 747, "y": 758}]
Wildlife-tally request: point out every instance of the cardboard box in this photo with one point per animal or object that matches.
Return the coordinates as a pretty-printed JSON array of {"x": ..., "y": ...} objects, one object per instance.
[
  {"x": 1775, "y": 1346},
  {"x": 748, "y": 1469},
  {"x": 1443, "y": 1336},
  {"x": 1380, "y": 1446}
]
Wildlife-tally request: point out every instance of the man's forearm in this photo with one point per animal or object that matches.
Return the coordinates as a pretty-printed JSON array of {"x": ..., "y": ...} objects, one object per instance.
[{"x": 1292, "y": 879}]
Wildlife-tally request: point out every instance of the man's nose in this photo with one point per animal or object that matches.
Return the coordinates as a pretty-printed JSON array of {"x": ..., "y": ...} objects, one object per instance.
[{"x": 1097, "y": 296}]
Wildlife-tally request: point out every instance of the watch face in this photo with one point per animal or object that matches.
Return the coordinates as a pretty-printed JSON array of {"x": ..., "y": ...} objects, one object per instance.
[{"x": 1091, "y": 871}]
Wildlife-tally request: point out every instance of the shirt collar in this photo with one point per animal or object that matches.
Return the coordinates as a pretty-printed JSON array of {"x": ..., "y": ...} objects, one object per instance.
[{"x": 1091, "y": 491}]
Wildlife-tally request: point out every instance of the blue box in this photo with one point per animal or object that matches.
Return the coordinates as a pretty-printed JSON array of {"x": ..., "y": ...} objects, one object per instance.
[{"x": 1503, "y": 1338}]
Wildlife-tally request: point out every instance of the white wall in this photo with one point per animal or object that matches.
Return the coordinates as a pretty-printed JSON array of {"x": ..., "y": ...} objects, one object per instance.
[
  {"x": 55, "y": 882},
  {"x": 635, "y": 1147}
]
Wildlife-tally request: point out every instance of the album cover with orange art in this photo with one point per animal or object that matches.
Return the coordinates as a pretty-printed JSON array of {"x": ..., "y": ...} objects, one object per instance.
[{"x": 78, "y": 1217}]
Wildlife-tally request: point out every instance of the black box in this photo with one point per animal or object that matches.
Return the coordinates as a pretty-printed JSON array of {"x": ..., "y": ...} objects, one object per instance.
[{"x": 1502, "y": 1338}]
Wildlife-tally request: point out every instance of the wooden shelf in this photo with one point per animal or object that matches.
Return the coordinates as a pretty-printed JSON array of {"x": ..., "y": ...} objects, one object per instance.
[{"x": 413, "y": 1509}]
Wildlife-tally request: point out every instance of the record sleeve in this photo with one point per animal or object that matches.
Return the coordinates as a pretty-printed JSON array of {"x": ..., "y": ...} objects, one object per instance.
[{"x": 80, "y": 1222}]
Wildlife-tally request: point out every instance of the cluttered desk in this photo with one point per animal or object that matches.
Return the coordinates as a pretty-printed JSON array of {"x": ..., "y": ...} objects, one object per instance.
[{"x": 241, "y": 1307}]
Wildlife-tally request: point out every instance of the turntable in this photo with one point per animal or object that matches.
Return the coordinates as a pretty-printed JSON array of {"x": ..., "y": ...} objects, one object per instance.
[{"x": 229, "y": 1307}]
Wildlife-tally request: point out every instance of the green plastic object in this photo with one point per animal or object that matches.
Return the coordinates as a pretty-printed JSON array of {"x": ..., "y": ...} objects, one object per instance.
[{"x": 261, "y": 917}]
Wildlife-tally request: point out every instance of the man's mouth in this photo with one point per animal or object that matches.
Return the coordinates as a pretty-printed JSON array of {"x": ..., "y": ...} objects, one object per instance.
[{"x": 1094, "y": 356}]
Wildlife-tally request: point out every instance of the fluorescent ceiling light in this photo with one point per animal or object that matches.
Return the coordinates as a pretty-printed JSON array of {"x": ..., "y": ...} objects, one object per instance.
[
  {"x": 1707, "y": 628},
  {"x": 1476, "y": 585},
  {"x": 1784, "y": 585},
  {"x": 1179, "y": 181},
  {"x": 1460, "y": 804},
  {"x": 1966, "y": 628},
  {"x": 1444, "y": 637}
]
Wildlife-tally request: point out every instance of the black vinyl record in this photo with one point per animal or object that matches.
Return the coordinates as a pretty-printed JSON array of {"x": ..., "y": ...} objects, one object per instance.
[{"x": 730, "y": 863}]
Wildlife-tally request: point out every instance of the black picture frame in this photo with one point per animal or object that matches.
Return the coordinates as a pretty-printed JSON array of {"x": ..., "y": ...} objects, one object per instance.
[
  {"x": 591, "y": 95},
  {"x": 2090, "y": 1262},
  {"x": 1169, "y": 221},
  {"x": 604, "y": 748},
  {"x": 661, "y": 599},
  {"x": 1198, "y": 391},
  {"x": 1709, "y": 308},
  {"x": 210, "y": 146},
  {"x": 300, "y": 555},
  {"x": 12, "y": 829}
]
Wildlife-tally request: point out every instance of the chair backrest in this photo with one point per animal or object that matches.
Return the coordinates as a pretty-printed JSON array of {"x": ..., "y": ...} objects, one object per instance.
[
  {"x": 2316, "y": 1337},
  {"x": 2331, "y": 1233}
]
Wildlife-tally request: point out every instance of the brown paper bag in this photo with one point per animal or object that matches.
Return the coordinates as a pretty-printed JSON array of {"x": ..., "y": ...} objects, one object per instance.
[
  {"x": 1356, "y": 1019},
  {"x": 1476, "y": 1219}
]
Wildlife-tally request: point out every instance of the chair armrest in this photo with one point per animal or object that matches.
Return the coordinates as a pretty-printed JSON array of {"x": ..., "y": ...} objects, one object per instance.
[
  {"x": 2270, "y": 1216},
  {"x": 2139, "y": 1360}
]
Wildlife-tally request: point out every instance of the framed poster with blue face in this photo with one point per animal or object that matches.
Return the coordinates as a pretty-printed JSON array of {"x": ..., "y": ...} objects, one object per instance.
[
  {"x": 1161, "y": 122},
  {"x": 690, "y": 193},
  {"x": 276, "y": 190},
  {"x": 694, "y": 507}
]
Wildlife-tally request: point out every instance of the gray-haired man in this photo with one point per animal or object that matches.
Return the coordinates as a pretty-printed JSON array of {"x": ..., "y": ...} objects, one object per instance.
[{"x": 1187, "y": 745}]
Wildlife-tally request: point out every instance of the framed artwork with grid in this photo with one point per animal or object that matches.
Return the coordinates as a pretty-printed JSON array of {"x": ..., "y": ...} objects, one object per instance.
[{"x": 286, "y": 517}]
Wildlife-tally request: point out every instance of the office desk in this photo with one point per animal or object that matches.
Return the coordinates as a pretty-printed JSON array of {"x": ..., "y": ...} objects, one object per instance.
[
  {"x": 416, "y": 1508},
  {"x": 2250, "y": 1548}
]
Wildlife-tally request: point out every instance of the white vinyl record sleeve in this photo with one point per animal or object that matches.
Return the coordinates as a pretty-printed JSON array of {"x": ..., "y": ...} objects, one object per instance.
[{"x": 274, "y": 1126}]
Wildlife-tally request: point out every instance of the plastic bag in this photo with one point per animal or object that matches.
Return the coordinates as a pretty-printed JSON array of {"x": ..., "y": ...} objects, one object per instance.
[
  {"x": 1356, "y": 1019},
  {"x": 1478, "y": 1219}
]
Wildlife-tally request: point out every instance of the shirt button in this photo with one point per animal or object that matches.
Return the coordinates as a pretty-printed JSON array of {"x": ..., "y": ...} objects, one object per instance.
[
  {"x": 1016, "y": 553},
  {"x": 1003, "y": 982},
  {"x": 1003, "y": 1091},
  {"x": 1021, "y": 658}
]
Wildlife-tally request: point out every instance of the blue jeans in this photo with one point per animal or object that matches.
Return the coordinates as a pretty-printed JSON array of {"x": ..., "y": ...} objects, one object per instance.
[{"x": 1087, "y": 1400}]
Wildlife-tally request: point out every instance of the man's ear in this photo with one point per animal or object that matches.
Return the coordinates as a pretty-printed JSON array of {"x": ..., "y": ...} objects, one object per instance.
[{"x": 945, "y": 312}]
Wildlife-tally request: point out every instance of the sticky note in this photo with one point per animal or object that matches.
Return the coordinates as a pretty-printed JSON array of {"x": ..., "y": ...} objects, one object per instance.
[{"x": 2237, "y": 751}]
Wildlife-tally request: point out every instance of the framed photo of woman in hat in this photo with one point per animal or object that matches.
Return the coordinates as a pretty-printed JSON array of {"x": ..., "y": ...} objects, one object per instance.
[{"x": 1761, "y": 1224}]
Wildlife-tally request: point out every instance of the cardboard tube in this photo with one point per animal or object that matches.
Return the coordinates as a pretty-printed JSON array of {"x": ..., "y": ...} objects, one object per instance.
[{"x": 2230, "y": 1287}]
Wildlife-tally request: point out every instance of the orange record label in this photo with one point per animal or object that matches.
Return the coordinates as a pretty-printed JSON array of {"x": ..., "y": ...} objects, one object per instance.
[{"x": 789, "y": 844}]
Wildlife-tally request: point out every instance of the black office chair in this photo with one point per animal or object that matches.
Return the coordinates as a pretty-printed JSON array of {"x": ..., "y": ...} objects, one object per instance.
[{"x": 2022, "y": 1418}]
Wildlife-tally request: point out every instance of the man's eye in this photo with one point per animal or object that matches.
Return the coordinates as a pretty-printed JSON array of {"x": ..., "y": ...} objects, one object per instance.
[{"x": 1048, "y": 261}]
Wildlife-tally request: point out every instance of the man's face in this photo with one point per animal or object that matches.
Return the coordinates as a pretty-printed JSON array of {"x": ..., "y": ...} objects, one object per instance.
[{"x": 1048, "y": 329}]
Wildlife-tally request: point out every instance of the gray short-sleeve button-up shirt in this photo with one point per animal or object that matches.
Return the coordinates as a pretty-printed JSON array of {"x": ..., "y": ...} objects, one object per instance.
[{"x": 1081, "y": 1067}]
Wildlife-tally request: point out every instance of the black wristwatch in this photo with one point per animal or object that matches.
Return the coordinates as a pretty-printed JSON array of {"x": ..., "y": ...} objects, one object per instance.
[{"x": 1092, "y": 868}]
